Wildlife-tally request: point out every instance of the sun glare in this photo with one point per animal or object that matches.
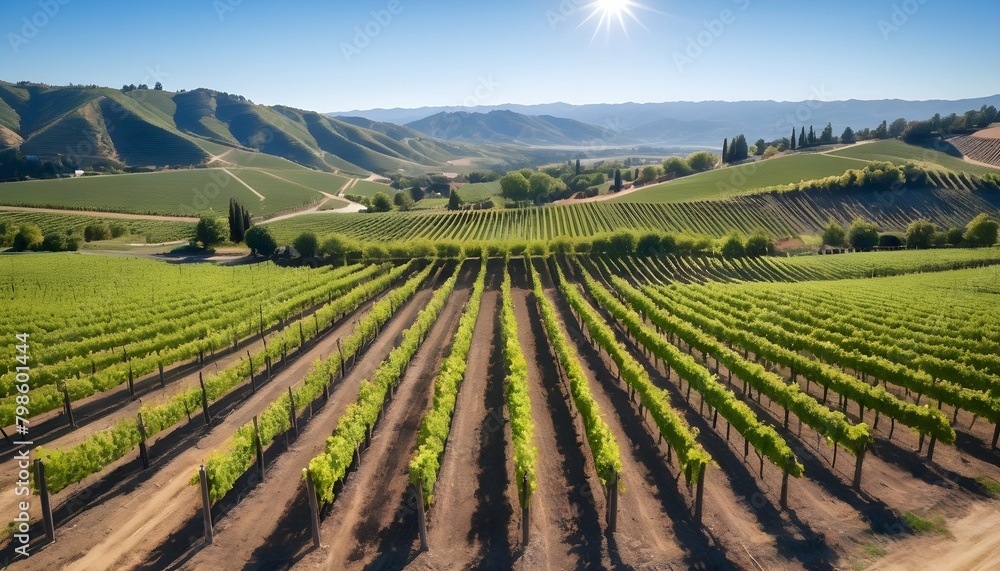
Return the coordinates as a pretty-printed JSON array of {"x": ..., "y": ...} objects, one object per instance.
[{"x": 607, "y": 13}]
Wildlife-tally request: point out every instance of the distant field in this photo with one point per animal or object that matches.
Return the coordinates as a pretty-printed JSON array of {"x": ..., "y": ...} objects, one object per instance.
[
  {"x": 777, "y": 214},
  {"x": 320, "y": 181},
  {"x": 368, "y": 188},
  {"x": 154, "y": 231},
  {"x": 731, "y": 181},
  {"x": 896, "y": 151},
  {"x": 479, "y": 191},
  {"x": 179, "y": 193}
]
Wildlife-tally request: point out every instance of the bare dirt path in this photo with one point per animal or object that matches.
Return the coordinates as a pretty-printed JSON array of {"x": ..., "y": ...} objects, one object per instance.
[
  {"x": 269, "y": 528},
  {"x": 829, "y": 524},
  {"x": 373, "y": 522},
  {"x": 154, "y": 515},
  {"x": 470, "y": 523},
  {"x": 645, "y": 535},
  {"x": 239, "y": 180},
  {"x": 95, "y": 213},
  {"x": 568, "y": 507},
  {"x": 103, "y": 410}
]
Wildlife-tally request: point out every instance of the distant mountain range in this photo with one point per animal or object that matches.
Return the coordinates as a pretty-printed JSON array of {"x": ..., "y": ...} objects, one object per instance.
[
  {"x": 703, "y": 123},
  {"x": 508, "y": 127},
  {"x": 152, "y": 128}
]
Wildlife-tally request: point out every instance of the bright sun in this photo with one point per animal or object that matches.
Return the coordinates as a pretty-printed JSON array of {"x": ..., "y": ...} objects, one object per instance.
[{"x": 607, "y": 12}]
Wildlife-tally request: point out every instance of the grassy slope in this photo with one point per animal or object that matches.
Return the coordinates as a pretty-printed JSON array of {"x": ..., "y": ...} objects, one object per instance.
[
  {"x": 897, "y": 152},
  {"x": 479, "y": 191},
  {"x": 368, "y": 188},
  {"x": 743, "y": 179},
  {"x": 172, "y": 193},
  {"x": 155, "y": 231}
]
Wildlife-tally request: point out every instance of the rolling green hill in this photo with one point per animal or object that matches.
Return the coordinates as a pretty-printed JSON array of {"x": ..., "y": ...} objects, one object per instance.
[
  {"x": 743, "y": 179},
  {"x": 147, "y": 128},
  {"x": 178, "y": 193},
  {"x": 899, "y": 152},
  {"x": 793, "y": 168}
]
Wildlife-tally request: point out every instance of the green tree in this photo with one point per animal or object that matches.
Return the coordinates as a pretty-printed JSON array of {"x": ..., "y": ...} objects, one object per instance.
[
  {"x": 542, "y": 185},
  {"x": 28, "y": 237},
  {"x": 733, "y": 247},
  {"x": 96, "y": 232},
  {"x": 514, "y": 186},
  {"x": 725, "y": 151},
  {"x": 702, "y": 161},
  {"x": 897, "y": 127},
  {"x": 306, "y": 244},
  {"x": 882, "y": 131},
  {"x": 578, "y": 167},
  {"x": 920, "y": 234},
  {"x": 403, "y": 201},
  {"x": 618, "y": 180},
  {"x": 759, "y": 245},
  {"x": 677, "y": 166},
  {"x": 862, "y": 235},
  {"x": 826, "y": 137},
  {"x": 761, "y": 145},
  {"x": 416, "y": 193},
  {"x": 793, "y": 139},
  {"x": 648, "y": 174},
  {"x": 454, "y": 201},
  {"x": 802, "y": 138},
  {"x": 770, "y": 152},
  {"x": 955, "y": 236},
  {"x": 981, "y": 232},
  {"x": 211, "y": 229},
  {"x": 833, "y": 235},
  {"x": 381, "y": 202},
  {"x": 848, "y": 138},
  {"x": 260, "y": 241},
  {"x": 158, "y": 86}
]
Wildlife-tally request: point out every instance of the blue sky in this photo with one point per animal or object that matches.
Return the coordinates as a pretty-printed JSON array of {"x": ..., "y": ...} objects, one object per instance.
[{"x": 341, "y": 55}]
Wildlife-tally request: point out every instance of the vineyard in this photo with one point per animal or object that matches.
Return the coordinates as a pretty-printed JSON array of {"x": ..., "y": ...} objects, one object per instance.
[
  {"x": 522, "y": 412},
  {"x": 777, "y": 214}
]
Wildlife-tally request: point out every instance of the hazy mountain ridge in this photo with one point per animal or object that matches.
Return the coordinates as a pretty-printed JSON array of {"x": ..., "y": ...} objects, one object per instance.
[
  {"x": 152, "y": 128},
  {"x": 706, "y": 122}
]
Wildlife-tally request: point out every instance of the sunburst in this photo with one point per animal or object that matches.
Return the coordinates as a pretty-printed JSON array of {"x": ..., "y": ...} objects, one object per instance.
[{"x": 609, "y": 12}]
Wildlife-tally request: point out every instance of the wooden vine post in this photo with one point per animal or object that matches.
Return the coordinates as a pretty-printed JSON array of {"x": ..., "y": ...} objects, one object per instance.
[
  {"x": 699, "y": 498},
  {"x": 204, "y": 400},
  {"x": 143, "y": 449},
  {"x": 613, "y": 504},
  {"x": 313, "y": 506},
  {"x": 206, "y": 506},
  {"x": 259, "y": 449},
  {"x": 421, "y": 515},
  {"x": 48, "y": 521},
  {"x": 857, "y": 468},
  {"x": 526, "y": 511}
]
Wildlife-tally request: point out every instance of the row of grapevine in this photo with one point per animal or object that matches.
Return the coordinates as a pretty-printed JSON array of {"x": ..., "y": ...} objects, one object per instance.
[
  {"x": 603, "y": 447},
  {"x": 761, "y": 436},
  {"x": 973, "y": 364},
  {"x": 65, "y": 467},
  {"x": 833, "y": 425},
  {"x": 518, "y": 400},
  {"x": 436, "y": 425},
  {"x": 47, "y": 397},
  {"x": 236, "y": 456},
  {"x": 361, "y": 416},
  {"x": 692, "y": 458},
  {"x": 86, "y": 340},
  {"x": 921, "y": 419}
]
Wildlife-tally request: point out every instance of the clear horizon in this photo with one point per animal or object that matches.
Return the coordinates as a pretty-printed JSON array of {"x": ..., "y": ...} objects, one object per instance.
[{"x": 400, "y": 54}]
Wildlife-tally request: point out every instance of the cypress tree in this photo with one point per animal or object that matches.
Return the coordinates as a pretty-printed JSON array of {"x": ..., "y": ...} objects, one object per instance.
[
  {"x": 577, "y": 166},
  {"x": 246, "y": 221},
  {"x": 725, "y": 151},
  {"x": 802, "y": 138},
  {"x": 236, "y": 230},
  {"x": 618, "y": 180},
  {"x": 793, "y": 138}
]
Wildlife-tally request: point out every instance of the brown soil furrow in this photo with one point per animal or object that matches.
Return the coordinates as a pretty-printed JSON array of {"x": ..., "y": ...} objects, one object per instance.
[
  {"x": 373, "y": 522},
  {"x": 110, "y": 532}
]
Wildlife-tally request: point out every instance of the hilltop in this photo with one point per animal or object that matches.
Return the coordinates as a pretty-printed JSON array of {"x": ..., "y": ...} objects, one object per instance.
[{"x": 113, "y": 129}]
